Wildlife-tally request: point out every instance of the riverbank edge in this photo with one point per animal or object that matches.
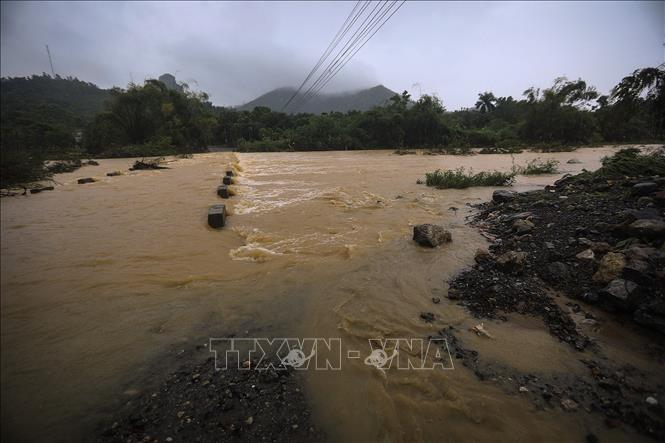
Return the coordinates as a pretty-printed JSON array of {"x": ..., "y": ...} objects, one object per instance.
[{"x": 546, "y": 260}]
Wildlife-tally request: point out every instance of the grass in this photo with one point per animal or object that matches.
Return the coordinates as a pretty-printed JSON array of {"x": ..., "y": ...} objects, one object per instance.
[
  {"x": 631, "y": 162},
  {"x": 538, "y": 166},
  {"x": 459, "y": 178}
]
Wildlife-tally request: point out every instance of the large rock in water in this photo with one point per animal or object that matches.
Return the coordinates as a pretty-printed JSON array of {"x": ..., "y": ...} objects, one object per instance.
[
  {"x": 227, "y": 180},
  {"x": 503, "y": 195},
  {"x": 431, "y": 235}
]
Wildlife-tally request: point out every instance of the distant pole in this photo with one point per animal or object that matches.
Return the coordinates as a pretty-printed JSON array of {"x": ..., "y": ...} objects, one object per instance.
[
  {"x": 50, "y": 60},
  {"x": 420, "y": 90}
]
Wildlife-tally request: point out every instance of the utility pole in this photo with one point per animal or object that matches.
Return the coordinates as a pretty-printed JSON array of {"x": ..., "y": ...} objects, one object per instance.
[{"x": 50, "y": 60}]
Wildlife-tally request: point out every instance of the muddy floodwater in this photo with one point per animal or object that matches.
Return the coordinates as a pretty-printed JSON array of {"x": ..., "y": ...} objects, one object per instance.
[{"x": 100, "y": 281}]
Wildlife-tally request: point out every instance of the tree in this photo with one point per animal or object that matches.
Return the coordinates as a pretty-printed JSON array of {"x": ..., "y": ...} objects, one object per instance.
[
  {"x": 644, "y": 87},
  {"x": 486, "y": 102}
]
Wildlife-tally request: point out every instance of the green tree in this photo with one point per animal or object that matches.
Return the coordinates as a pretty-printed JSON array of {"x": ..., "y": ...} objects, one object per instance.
[{"x": 486, "y": 102}]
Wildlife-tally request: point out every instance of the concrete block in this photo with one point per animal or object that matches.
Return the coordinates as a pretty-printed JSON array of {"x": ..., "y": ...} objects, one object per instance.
[
  {"x": 38, "y": 190},
  {"x": 217, "y": 216},
  {"x": 223, "y": 191}
]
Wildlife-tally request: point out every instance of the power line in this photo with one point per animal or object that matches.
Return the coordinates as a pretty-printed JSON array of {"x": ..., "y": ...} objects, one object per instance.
[
  {"x": 334, "y": 42},
  {"x": 355, "y": 46},
  {"x": 355, "y": 43},
  {"x": 345, "y": 49},
  {"x": 361, "y": 46}
]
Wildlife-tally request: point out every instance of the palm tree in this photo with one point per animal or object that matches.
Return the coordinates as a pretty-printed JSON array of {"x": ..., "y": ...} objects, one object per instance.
[
  {"x": 646, "y": 84},
  {"x": 486, "y": 102},
  {"x": 651, "y": 80}
]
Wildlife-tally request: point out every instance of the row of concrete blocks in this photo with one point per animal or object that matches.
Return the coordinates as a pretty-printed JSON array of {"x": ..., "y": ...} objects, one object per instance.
[{"x": 217, "y": 213}]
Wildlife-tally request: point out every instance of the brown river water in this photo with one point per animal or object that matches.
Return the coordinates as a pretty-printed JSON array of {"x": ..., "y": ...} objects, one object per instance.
[{"x": 99, "y": 280}]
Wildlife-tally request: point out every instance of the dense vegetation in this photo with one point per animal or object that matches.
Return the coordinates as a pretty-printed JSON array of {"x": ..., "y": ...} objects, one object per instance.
[{"x": 44, "y": 117}]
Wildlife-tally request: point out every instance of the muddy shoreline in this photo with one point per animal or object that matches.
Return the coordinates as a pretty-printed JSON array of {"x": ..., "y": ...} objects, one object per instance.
[
  {"x": 193, "y": 401},
  {"x": 582, "y": 256}
]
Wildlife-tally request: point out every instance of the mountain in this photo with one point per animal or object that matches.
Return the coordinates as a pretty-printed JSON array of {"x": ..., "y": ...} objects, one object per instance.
[
  {"x": 362, "y": 100},
  {"x": 68, "y": 95}
]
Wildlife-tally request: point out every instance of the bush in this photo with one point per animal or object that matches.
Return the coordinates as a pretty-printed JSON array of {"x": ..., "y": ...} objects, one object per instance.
[
  {"x": 459, "y": 178},
  {"x": 631, "y": 162},
  {"x": 538, "y": 166},
  {"x": 20, "y": 167}
]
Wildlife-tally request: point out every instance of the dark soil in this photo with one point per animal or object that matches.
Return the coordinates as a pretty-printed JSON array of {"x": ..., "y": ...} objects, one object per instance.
[
  {"x": 199, "y": 404},
  {"x": 533, "y": 268}
]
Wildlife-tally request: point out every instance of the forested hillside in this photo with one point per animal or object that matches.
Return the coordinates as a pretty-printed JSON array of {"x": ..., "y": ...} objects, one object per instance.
[{"x": 362, "y": 100}]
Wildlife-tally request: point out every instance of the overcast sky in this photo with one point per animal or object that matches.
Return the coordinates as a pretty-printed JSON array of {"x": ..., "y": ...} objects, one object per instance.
[{"x": 236, "y": 51}]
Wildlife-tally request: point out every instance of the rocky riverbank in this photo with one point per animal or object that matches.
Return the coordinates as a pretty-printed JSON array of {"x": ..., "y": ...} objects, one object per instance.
[
  {"x": 584, "y": 254},
  {"x": 197, "y": 403}
]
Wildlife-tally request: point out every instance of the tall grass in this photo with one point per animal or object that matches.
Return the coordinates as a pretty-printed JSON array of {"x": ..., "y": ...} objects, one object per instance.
[
  {"x": 459, "y": 178},
  {"x": 538, "y": 166}
]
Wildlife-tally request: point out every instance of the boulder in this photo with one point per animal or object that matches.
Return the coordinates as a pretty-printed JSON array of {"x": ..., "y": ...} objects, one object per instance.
[
  {"x": 563, "y": 180},
  {"x": 610, "y": 267},
  {"x": 587, "y": 254},
  {"x": 573, "y": 161},
  {"x": 428, "y": 317},
  {"x": 92, "y": 163},
  {"x": 645, "y": 201},
  {"x": 637, "y": 271},
  {"x": 642, "y": 214},
  {"x": 516, "y": 216},
  {"x": 431, "y": 235},
  {"x": 227, "y": 180},
  {"x": 503, "y": 195},
  {"x": 640, "y": 252},
  {"x": 82, "y": 181},
  {"x": 523, "y": 226},
  {"x": 223, "y": 191},
  {"x": 217, "y": 216},
  {"x": 512, "y": 261},
  {"x": 229, "y": 173},
  {"x": 113, "y": 174},
  {"x": 596, "y": 247},
  {"x": 645, "y": 188},
  {"x": 483, "y": 256},
  {"x": 647, "y": 229},
  {"x": 557, "y": 271},
  {"x": 620, "y": 291},
  {"x": 651, "y": 315}
]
